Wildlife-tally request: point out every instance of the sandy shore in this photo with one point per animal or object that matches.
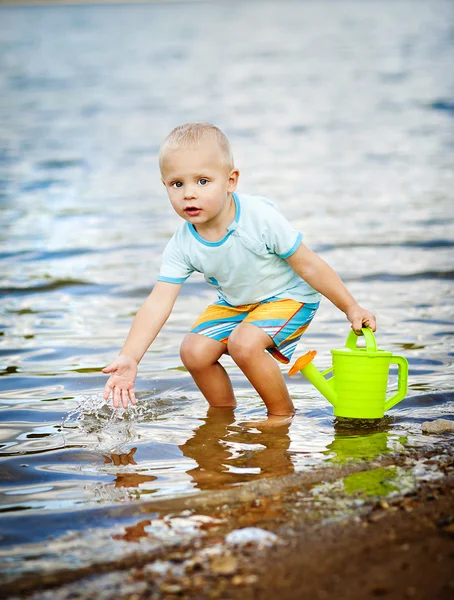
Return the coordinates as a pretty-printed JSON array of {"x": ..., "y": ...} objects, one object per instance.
[{"x": 353, "y": 531}]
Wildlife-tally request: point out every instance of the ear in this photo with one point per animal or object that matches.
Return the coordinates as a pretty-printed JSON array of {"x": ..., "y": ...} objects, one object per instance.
[{"x": 233, "y": 180}]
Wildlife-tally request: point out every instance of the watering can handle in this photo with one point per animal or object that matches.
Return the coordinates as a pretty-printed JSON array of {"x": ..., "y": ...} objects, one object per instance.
[
  {"x": 371, "y": 344},
  {"x": 402, "y": 385}
]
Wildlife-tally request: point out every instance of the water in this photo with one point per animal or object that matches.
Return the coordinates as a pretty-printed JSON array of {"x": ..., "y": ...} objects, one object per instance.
[{"x": 342, "y": 113}]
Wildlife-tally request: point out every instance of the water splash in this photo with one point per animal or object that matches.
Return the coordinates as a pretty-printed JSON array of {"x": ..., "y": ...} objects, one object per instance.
[{"x": 114, "y": 428}]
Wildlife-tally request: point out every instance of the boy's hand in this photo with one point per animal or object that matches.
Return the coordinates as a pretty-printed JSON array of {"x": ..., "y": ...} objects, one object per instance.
[
  {"x": 360, "y": 317},
  {"x": 121, "y": 382}
]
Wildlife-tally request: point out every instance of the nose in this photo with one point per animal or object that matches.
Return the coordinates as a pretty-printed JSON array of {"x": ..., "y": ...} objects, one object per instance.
[{"x": 189, "y": 192}]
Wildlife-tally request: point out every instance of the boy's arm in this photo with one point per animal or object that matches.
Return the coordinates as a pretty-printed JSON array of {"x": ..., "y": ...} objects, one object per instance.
[
  {"x": 325, "y": 280},
  {"x": 147, "y": 323}
]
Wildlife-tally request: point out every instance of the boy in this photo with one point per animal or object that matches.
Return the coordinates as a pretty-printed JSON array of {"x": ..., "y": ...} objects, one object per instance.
[{"x": 268, "y": 282}]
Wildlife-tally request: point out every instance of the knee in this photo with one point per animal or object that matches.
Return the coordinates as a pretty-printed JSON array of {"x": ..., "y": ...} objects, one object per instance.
[
  {"x": 243, "y": 344},
  {"x": 194, "y": 353}
]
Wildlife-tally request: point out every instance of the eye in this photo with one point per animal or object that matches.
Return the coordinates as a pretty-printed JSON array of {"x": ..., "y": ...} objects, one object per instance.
[
  {"x": 203, "y": 181},
  {"x": 177, "y": 184}
]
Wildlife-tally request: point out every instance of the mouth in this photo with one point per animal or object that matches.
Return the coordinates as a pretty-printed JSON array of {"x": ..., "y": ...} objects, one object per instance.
[{"x": 192, "y": 211}]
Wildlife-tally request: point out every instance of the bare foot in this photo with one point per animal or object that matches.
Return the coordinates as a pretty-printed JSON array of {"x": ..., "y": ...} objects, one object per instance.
[{"x": 271, "y": 421}]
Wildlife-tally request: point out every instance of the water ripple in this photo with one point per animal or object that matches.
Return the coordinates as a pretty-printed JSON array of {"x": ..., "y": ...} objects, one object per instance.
[{"x": 445, "y": 106}]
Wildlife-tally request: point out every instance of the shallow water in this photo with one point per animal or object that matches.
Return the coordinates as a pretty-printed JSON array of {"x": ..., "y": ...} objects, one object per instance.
[{"x": 342, "y": 113}]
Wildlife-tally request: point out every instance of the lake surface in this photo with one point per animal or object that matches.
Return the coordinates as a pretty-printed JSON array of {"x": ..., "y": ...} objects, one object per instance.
[{"x": 342, "y": 113}]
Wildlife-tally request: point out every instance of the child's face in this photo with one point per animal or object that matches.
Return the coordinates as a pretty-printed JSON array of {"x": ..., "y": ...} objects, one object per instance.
[{"x": 199, "y": 184}]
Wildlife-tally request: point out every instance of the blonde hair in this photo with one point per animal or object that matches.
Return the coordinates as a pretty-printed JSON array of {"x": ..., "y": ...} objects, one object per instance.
[{"x": 192, "y": 134}]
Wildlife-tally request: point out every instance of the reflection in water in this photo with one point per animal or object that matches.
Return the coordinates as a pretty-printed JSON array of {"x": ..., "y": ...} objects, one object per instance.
[
  {"x": 227, "y": 454},
  {"x": 133, "y": 533},
  {"x": 378, "y": 482},
  {"x": 344, "y": 448},
  {"x": 121, "y": 459},
  {"x": 128, "y": 480},
  {"x": 359, "y": 440}
]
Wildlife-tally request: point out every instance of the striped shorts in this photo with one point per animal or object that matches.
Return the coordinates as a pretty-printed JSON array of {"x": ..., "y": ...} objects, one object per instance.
[{"x": 283, "y": 320}]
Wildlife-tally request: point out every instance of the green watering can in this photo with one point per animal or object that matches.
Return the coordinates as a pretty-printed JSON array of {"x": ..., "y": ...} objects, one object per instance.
[{"x": 357, "y": 389}]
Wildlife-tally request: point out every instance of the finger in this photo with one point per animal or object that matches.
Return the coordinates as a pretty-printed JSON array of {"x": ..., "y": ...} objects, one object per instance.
[
  {"x": 107, "y": 390},
  {"x": 116, "y": 397},
  {"x": 371, "y": 322},
  {"x": 357, "y": 325},
  {"x": 124, "y": 398},
  {"x": 109, "y": 369},
  {"x": 132, "y": 397}
]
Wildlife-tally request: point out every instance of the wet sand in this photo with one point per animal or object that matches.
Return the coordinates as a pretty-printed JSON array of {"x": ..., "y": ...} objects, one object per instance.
[
  {"x": 402, "y": 549},
  {"x": 332, "y": 542}
]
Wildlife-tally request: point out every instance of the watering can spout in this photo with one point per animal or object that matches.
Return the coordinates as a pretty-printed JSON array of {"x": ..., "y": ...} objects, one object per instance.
[{"x": 306, "y": 367}]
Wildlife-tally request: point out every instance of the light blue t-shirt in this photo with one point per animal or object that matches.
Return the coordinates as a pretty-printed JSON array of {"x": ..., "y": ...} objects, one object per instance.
[{"x": 247, "y": 265}]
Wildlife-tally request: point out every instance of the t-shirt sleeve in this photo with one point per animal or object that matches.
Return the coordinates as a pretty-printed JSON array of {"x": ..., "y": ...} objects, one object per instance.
[
  {"x": 278, "y": 234},
  {"x": 175, "y": 268}
]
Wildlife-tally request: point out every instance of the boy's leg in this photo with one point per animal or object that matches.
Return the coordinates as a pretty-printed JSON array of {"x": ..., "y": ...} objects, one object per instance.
[
  {"x": 246, "y": 345},
  {"x": 200, "y": 355}
]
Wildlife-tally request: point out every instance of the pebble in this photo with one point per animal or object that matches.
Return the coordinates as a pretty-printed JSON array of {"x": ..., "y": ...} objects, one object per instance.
[
  {"x": 438, "y": 426},
  {"x": 171, "y": 588},
  {"x": 244, "y": 579},
  {"x": 158, "y": 567},
  {"x": 224, "y": 565},
  {"x": 251, "y": 535}
]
